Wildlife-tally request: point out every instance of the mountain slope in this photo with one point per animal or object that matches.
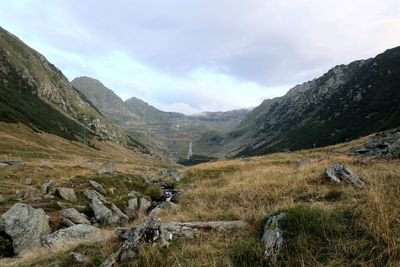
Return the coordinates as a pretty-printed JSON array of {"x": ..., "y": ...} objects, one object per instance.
[
  {"x": 347, "y": 102},
  {"x": 160, "y": 128},
  {"x": 35, "y": 92}
]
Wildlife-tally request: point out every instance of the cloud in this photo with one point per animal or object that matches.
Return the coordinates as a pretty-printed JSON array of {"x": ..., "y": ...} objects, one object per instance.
[{"x": 216, "y": 54}]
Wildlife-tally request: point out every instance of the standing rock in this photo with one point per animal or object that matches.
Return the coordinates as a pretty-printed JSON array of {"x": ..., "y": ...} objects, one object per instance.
[
  {"x": 272, "y": 239},
  {"x": 45, "y": 187},
  {"x": 74, "y": 233},
  {"x": 144, "y": 204},
  {"x": 107, "y": 168},
  {"x": 75, "y": 216},
  {"x": 340, "y": 172},
  {"x": 26, "y": 226},
  {"x": 98, "y": 187},
  {"x": 66, "y": 193},
  {"x": 133, "y": 203}
]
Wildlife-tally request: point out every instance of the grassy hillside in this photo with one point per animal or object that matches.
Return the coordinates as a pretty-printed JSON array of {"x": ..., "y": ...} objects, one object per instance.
[{"x": 327, "y": 224}]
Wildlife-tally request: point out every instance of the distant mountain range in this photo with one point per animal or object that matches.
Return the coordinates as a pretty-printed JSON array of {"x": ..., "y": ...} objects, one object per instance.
[{"x": 347, "y": 102}]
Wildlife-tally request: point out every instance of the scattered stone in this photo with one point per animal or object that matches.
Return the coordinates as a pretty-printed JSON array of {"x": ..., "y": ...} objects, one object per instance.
[
  {"x": 28, "y": 181},
  {"x": 105, "y": 211},
  {"x": 107, "y": 168},
  {"x": 340, "y": 172},
  {"x": 272, "y": 239},
  {"x": 78, "y": 257},
  {"x": 66, "y": 193},
  {"x": 45, "y": 187},
  {"x": 13, "y": 162},
  {"x": 78, "y": 232},
  {"x": 26, "y": 226},
  {"x": 98, "y": 187},
  {"x": 75, "y": 216},
  {"x": 144, "y": 204}
]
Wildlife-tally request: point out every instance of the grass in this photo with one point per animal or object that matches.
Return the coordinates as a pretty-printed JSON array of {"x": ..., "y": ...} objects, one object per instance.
[{"x": 328, "y": 224}]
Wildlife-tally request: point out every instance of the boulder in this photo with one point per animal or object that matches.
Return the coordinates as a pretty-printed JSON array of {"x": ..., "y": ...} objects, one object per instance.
[
  {"x": 78, "y": 232},
  {"x": 144, "y": 204},
  {"x": 107, "y": 168},
  {"x": 26, "y": 226},
  {"x": 340, "y": 172},
  {"x": 133, "y": 203},
  {"x": 67, "y": 222},
  {"x": 98, "y": 187},
  {"x": 75, "y": 216},
  {"x": 272, "y": 239},
  {"x": 105, "y": 211},
  {"x": 45, "y": 187},
  {"x": 66, "y": 193}
]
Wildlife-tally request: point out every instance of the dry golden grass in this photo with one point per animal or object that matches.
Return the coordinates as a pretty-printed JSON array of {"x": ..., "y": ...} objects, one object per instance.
[{"x": 343, "y": 226}]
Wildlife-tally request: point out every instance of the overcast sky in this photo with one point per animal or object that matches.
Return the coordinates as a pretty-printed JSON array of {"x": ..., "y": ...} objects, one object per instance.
[{"x": 196, "y": 55}]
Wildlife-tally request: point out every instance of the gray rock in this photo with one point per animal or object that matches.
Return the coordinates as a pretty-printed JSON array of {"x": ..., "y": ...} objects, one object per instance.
[
  {"x": 78, "y": 257},
  {"x": 133, "y": 203},
  {"x": 144, "y": 204},
  {"x": 45, "y": 187},
  {"x": 19, "y": 194},
  {"x": 67, "y": 222},
  {"x": 272, "y": 239},
  {"x": 340, "y": 172},
  {"x": 160, "y": 207},
  {"x": 75, "y": 216},
  {"x": 28, "y": 181},
  {"x": 107, "y": 168},
  {"x": 98, "y": 187},
  {"x": 66, "y": 193},
  {"x": 78, "y": 232},
  {"x": 394, "y": 149},
  {"x": 26, "y": 226},
  {"x": 105, "y": 211}
]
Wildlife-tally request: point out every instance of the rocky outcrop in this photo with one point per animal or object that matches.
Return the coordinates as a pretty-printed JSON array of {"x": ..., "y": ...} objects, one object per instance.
[
  {"x": 99, "y": 188},
  {"x": 105, "y": 211},
  {"x": 75, "y": 216},
  {"x": 339, "y": 172},
  {"x": 66, "y": 193},
  {"x": 107, "y": 168},
  {"x": 26, "y": 226},
  {"x": 77, "y": 232},
  {"x": 272, "y": 239},
  {"x": 144, "y": 204},
  {"x": 383, "y": 145}
]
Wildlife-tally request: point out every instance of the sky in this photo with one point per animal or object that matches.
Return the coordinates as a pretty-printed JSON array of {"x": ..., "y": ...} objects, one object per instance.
[{"x": 202, "y": 55}]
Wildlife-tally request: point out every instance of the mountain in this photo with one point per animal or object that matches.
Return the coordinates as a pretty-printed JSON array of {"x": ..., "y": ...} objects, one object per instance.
[
  {"x": 160, "y": 128},
  {"x": 34, "y": 92},
  {"x": 347, "y": 102}
]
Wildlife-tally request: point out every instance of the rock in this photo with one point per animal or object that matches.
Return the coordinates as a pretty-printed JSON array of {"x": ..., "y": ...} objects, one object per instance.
[
  {"x": 12, "y": 162},
  {"x": 19, "y": 194},
  {"x": 45, "y": 187},
  {"x": 28, "y": 181},
  {"x": 176, "y": 195},
  {"x": 134, "y": 194},
  {"x": 272, "y": 239},
  {"x": 78, "y": 257},
  {"x": 144, "y": 204},
  {"x": 133, "y": 203},
  {"x": 66, "y": 193},
  {"x": 132, "y": 214},
  {"x": 26, "y": 226},
  {"x": 105, "y": 211},
  {"x": 75, "y": 216},
  {"x": 340, "y": 172},
  {"x": 67, "y": 222},
  {"x": 78, "y": 232},
  {"x": 160, "y": 207},
  {"x": 394, "y": 149},
  {"x": 107, "y": 168},
  {"x": 98, "y": 187},
  {"x": 2, "y": 199}
]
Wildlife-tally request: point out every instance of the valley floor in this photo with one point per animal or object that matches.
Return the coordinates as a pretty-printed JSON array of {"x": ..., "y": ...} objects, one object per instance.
[{"x": 327, "y": 224}]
